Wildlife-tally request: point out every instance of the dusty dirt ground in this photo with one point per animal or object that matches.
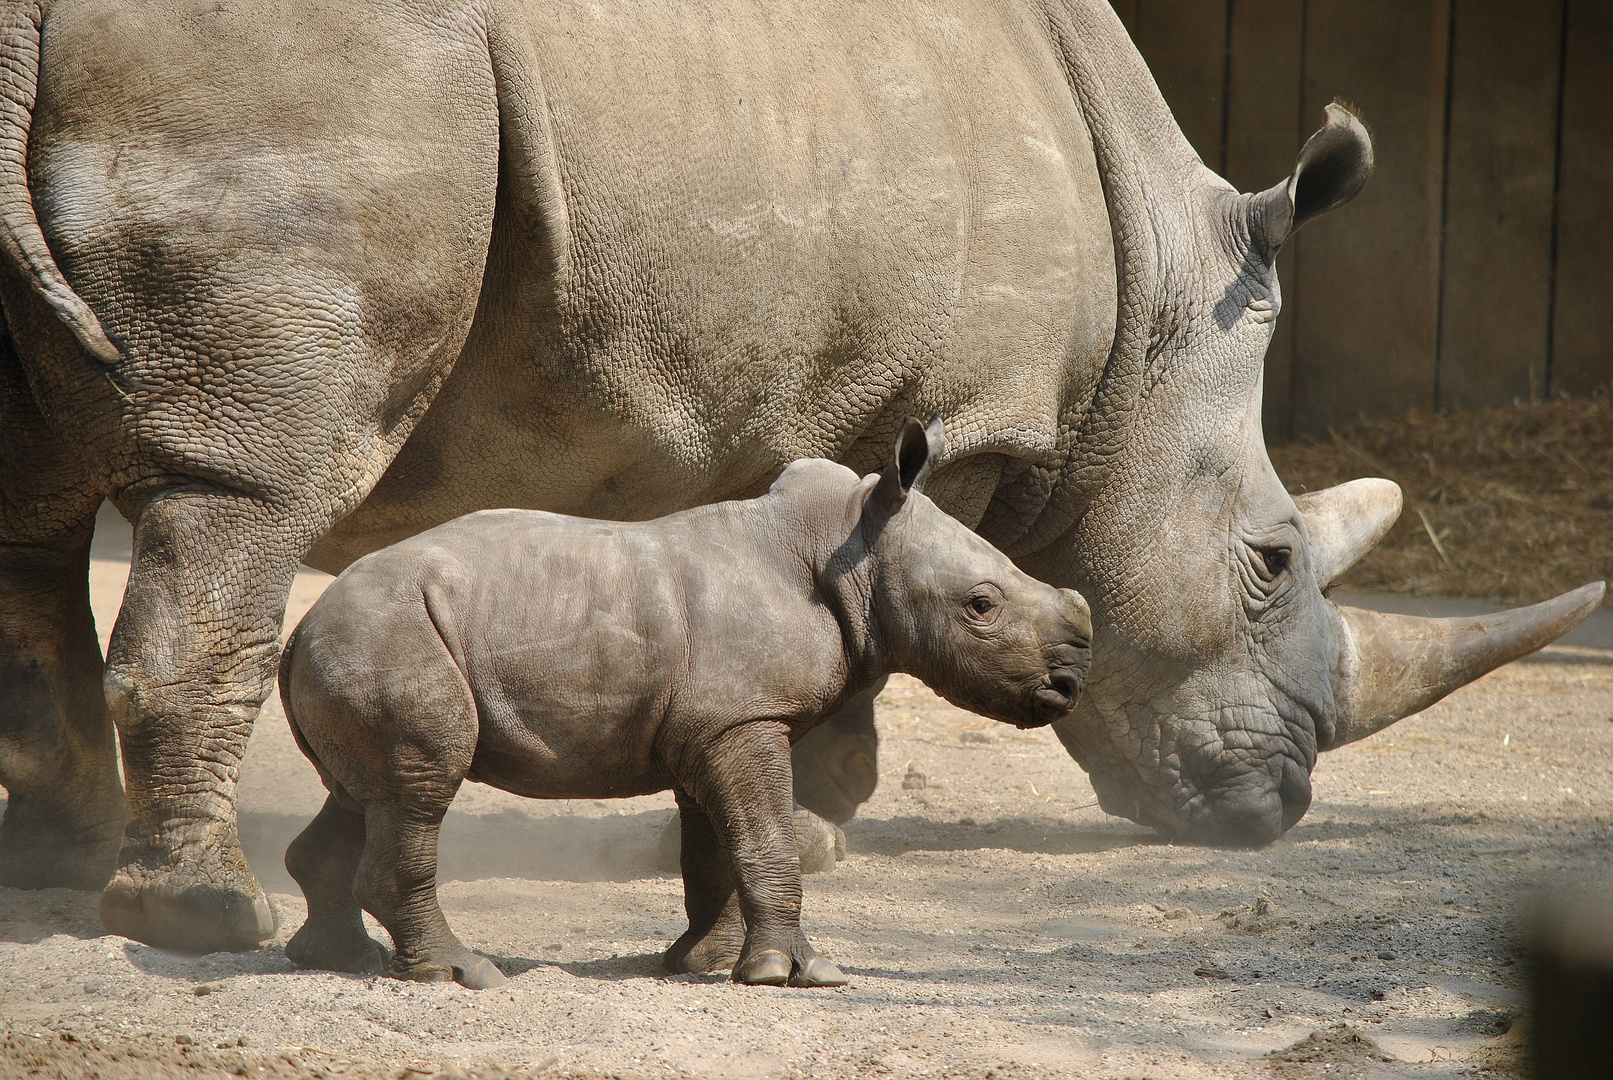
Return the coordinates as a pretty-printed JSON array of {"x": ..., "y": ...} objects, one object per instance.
[{"x": 994, "y": 922}]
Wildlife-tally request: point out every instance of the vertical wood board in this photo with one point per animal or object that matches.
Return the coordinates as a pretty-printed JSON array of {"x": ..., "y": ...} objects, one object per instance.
[
  {"x": 1127, "y": 10},
  {"x": 1501, "y": 170},
  {"x": 1368, "y": 274},
  {"x": 1184, "y": 43},
  {"x": 1582, "y": 330},
  {"x": 1264, "y": 68}
]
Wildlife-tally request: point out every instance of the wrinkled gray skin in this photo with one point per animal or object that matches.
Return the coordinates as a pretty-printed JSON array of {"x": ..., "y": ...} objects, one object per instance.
[
  {"x": 293, "y": 280},
  {"x": 562, "y": 657}
]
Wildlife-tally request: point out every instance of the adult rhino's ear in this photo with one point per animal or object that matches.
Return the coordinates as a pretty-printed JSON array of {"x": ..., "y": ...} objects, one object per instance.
[
  {"x": 1332, "y": 168},
  {"x": 917, "y": 448}
]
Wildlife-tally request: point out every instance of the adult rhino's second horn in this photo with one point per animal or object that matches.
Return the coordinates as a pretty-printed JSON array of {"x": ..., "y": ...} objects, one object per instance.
[
  {"x": 1396, "y": 665},
  {"x": 1347, "y": 521}
]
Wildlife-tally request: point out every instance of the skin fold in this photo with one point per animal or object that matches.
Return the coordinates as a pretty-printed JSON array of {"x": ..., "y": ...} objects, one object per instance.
[
  {"x": 561, "y": 657},
  {"x": 291, "y": 281}
]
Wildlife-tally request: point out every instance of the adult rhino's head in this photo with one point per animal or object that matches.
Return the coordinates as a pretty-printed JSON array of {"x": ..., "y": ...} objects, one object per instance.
[
  {"x": 1220, "y": 667},
  {"x": 955, "y": 611}
]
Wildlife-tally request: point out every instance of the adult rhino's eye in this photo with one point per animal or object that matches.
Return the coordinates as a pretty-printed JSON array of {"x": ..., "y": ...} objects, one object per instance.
[
  {"x": 981, "y": 605},
  {"x": 1275, "y": 560}
]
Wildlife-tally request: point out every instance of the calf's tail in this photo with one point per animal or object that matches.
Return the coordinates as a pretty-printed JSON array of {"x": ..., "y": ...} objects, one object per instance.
[
  {"x": 284, "y": 680},
  {"x": 21, "y": 238}
]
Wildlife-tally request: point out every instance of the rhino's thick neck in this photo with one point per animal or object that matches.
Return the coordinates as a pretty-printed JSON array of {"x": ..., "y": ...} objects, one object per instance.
[
  {"x": 823, "y": 539},
  {"x": 1154, "y": 185}
]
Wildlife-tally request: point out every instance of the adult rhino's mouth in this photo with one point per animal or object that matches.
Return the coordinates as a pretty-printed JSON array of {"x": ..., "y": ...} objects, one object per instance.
[
  {"x": 1252, "y": 811},
  {"x": 1203, "y": 785}
]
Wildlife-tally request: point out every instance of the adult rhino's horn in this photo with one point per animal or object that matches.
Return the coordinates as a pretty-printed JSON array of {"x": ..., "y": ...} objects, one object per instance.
[
  {"x": 1347, "y": 521},
  {"x": 1395, "y": 665}
]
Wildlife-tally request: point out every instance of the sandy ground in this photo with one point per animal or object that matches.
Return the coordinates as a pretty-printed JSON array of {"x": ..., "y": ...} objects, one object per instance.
[{"x": 993, "y": 921}]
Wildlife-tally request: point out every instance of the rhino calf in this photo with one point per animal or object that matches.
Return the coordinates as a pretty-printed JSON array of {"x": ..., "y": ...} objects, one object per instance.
[{"x": 559, "y": 657}]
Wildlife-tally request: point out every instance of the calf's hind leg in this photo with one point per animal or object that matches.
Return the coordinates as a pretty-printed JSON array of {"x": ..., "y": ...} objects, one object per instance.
[
  {"x": 324, "y": 861},
  {"x": 397, "y": 883}
]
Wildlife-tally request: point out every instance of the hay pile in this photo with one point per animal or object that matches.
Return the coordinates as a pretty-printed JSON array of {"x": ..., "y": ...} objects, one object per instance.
[{"x": 1511, "y": 503}]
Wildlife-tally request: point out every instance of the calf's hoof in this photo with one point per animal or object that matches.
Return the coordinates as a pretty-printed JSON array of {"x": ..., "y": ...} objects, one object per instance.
[
  {"x": 473, "y": 972},
  {"x": 717, "y": 950},
  {"x": 767, "y": 967},
  {"x": 355, "y": 954},
  {"x": 774, "y": 967},
  {"x": 189, "y": 908},
  {"x": 818, "y": 971}
]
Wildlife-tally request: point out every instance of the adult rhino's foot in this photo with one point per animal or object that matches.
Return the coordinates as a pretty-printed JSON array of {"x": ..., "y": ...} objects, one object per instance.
[
  {"x": 462, "y": 966},
  {"x": 58, "y": 855},
  {"x": 337, "y": 949},
  {"x": 202, "y": 905},
  {"x": 775, "y": 967},
  {"x": 716, "y": 949},
  {"x": 819, "y": 844},
  {"x": 836, "y": 764}
]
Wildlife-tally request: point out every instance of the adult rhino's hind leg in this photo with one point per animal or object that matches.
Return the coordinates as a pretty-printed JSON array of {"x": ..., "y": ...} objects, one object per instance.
[
  {"x": 58, "y": 755},
  {"x": 192, "y": 658},
  {"x": 324, "y": 861}
]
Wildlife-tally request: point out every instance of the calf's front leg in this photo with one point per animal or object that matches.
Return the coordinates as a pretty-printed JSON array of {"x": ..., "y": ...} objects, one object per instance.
[
  {"x": 716, "y": 933},
  {"x": 741, "y": 781}
]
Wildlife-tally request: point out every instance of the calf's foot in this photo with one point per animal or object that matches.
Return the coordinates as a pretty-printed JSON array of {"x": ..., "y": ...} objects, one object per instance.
[
  {"x": 776, "y": 967},
  {"x": 331, "y": 948},
  {"x": 460, "y": 965},
  {"x": 324, "y": 860},
  {"x": 715, "y": 948}
]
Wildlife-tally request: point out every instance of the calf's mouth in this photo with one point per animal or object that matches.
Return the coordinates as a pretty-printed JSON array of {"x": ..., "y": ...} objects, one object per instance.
[{"x": 1056, "y": 694}]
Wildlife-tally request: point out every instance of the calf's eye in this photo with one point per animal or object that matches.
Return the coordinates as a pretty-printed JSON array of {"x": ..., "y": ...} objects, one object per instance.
[{"x": 980, "y": 605}]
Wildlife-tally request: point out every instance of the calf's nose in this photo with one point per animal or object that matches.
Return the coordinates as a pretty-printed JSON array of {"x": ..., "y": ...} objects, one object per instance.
[{"x": 1079, "y": 615}]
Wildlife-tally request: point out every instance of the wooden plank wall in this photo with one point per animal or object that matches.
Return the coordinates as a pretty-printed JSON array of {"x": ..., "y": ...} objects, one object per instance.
[{"x": 1477, "y": 266}]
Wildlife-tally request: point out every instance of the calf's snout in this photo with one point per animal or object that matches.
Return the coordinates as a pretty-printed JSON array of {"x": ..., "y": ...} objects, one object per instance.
[
  {"x": 1078, "y": 618},
  {"x": 1069, "y": 658}
]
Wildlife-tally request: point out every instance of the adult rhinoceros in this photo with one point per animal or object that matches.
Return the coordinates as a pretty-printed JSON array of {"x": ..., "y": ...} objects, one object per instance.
[{"x": 289, "y": 279}]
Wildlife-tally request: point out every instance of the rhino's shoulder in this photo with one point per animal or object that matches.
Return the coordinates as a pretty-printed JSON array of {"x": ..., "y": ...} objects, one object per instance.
[{"x": 814, "y": 476}]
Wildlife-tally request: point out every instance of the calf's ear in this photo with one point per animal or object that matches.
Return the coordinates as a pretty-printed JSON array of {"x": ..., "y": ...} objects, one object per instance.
[
  {"x": 1332, "y": 168},
  {"x": 917, "y": 448}
]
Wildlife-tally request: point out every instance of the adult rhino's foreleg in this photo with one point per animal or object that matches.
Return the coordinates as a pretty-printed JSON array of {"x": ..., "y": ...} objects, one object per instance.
[
  {"x": 58, "y": 755},
  {"x": 836, "y": 764}
]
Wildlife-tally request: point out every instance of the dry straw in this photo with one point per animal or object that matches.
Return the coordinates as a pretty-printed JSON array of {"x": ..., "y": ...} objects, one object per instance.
[{"x": 1511, "y": 503}]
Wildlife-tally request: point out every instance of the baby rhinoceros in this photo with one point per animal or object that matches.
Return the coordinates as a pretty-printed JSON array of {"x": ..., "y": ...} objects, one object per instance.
[{"x": 559, "y": 657}]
